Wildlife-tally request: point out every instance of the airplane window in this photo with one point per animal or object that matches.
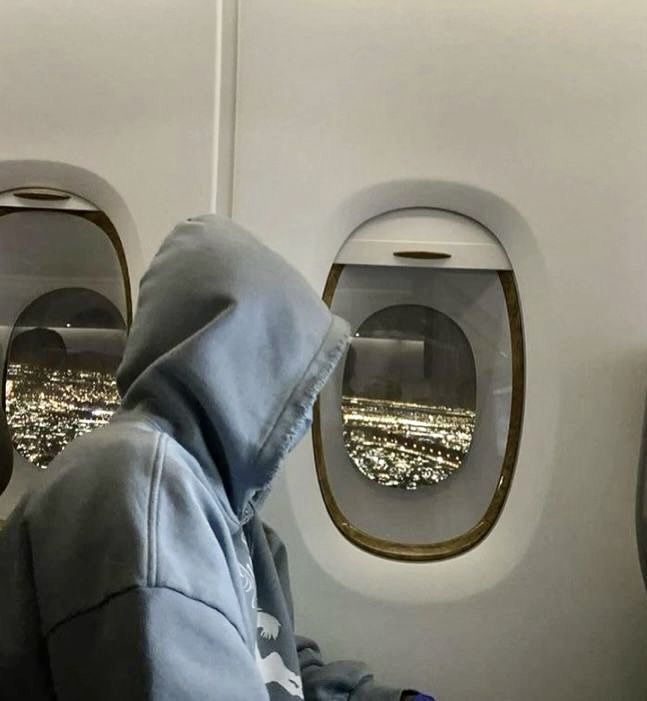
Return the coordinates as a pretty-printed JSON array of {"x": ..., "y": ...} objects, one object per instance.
[
  {"x": 417, "y": 432},
  {"x": 408, "y": 397},
  {"x": 64, "y": 313},
  {"x": 60, "y": 376}
]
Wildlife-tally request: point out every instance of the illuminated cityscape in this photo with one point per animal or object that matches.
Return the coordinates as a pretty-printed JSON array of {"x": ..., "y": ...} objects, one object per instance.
[
  {"x": 47, "y": 407},
  {"x": 406, "y": 445},
  {"x": 394, "y": 443}
]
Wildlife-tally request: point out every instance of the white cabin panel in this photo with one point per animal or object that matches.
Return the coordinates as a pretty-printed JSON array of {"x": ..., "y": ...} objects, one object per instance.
[
  {"x": 525, "y": 118},
  {"x": 114, "y": 103}
]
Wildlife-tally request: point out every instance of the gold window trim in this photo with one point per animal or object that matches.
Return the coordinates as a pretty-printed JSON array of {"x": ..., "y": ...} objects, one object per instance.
[
  {"x": 103, "y": 222},
  {"x": 473, "y": 536}
]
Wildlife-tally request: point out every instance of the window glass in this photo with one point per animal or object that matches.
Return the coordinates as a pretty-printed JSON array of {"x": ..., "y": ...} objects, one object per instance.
[
  {"x": 63, "y": 354},
  {"x": 409, "y": 397}
]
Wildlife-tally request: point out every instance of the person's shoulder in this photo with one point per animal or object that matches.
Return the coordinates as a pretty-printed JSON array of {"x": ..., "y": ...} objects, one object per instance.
[
  {"x": 195, "y": 531},
  {"x": 95, "y": 472},
  {"x": 88, "y": 524},
  {"x": 127, "y": 507}
]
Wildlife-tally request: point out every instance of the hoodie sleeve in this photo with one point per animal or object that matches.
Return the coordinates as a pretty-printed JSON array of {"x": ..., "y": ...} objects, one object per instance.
[
  {"x": 348, "y": 680},
  {"x": 151, "y": 643},
  {"x": 324, "y": 682}
]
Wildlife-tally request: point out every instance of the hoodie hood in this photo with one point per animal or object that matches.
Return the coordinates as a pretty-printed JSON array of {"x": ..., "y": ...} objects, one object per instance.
[{"x": 228, "y": 351}]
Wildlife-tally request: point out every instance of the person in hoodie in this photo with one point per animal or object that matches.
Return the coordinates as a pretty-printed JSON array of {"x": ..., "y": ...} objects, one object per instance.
[{"x": 141, "y": 569}]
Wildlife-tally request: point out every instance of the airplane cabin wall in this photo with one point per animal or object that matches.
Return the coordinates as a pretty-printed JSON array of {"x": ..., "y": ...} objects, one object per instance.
[
  {"x": 527, "y": 118},
  {"x": 114, "y": 103}
]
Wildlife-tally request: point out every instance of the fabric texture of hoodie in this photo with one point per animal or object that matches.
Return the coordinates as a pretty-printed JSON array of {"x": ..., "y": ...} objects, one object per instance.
[{"x": 140, "y": 569}]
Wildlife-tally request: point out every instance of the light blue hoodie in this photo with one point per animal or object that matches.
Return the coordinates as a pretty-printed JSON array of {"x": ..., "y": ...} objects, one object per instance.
[{"x": 141, "y": 570}]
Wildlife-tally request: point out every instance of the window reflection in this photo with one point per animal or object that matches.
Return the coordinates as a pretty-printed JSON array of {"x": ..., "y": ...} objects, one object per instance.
[
  {"x": 63, "y": 354},
  {"x": 409, "y": 397}
]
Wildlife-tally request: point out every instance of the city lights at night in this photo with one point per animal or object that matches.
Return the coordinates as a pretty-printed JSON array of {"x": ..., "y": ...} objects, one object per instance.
[
  {"x": 47, "y": 407},
  {"x": 406, "y": 445}
]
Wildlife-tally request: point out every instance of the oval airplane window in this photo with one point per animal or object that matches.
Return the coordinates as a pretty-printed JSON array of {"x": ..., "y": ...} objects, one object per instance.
[
  {"x": 416, "y": 434},
  {"x": 65, "y": 308}
]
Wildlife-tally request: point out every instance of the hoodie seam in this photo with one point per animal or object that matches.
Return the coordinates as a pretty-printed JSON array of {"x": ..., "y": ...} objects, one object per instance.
[
  {"x": 135, "y": 588},
  {"x": 153, "y": 510}
]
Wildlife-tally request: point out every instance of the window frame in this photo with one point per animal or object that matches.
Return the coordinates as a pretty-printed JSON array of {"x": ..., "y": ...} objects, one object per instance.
[
  {"x": 470, "y": 538},
  {"x": 44, "y": 200}
]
